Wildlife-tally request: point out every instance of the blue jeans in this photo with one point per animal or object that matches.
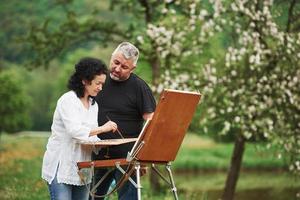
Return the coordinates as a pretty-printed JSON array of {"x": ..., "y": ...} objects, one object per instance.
[{"x": 62, "y": 191}]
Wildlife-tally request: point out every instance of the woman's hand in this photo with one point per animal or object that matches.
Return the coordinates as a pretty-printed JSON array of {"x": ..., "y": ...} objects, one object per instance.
[{"x": 109, "y": 126}]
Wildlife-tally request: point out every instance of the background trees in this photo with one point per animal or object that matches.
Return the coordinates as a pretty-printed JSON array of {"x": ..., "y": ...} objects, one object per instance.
[{"x": 13, "y": 103}]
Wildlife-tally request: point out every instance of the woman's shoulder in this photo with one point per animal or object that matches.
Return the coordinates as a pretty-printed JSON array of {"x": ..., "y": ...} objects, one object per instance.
[{"x": 69, "y": 96}]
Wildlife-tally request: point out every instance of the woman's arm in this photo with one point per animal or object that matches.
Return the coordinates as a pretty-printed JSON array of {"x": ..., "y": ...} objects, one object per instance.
[{"x": 108, "y": 126}]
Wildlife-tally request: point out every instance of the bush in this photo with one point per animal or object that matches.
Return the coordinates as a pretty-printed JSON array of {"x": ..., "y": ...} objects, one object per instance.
[{"x": 14, "y": 103}]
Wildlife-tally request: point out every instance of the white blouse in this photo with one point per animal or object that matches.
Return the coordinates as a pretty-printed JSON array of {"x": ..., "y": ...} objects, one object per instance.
[{"x": 72, "y": 123}]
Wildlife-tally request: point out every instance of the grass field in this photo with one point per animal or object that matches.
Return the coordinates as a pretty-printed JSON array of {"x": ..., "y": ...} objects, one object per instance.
[
  {"x": 200, "y": 170},
  {"x": 199, "y": 153}
]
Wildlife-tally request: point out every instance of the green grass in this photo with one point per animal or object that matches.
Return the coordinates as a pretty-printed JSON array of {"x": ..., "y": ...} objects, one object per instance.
[
  {"x": 20, "y": 162},
  {"x": 247, "y": 181},
  {"x": 200, "y": 170},
  {"x": 199, "y": 153}
]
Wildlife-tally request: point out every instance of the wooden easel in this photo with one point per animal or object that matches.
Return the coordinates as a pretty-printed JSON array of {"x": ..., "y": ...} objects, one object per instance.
[{"x": 160, "y": 139}]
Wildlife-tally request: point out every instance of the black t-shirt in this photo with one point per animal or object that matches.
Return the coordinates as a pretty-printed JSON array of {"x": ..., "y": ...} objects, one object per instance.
[{"x": 124, "y": 102}]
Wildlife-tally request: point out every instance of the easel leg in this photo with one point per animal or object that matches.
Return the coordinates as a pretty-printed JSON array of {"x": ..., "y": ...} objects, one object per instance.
[
  {"x": 174, "y": 190},
  {"x": 93, "y": 182},
  {"x": 138, "y": 180}
]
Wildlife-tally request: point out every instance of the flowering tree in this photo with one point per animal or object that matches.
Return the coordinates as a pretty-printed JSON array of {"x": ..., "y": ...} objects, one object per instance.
[
  {"x": 175, "y": 34},
  {"x": 256, "y": 94}
]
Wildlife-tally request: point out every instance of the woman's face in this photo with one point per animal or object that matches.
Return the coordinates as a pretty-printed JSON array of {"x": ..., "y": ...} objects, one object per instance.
[{"x": 95, "y": 86}]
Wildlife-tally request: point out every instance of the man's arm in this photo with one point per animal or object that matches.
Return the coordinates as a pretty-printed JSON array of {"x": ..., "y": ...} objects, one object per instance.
[{"x": 147, "y": 116}]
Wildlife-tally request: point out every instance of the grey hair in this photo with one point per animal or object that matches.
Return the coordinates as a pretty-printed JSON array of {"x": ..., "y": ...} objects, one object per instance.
[{"x": 129, "y": 51}]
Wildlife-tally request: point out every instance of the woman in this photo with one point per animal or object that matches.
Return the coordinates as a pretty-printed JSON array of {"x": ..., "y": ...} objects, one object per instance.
[{"x": 74, "y": 121}]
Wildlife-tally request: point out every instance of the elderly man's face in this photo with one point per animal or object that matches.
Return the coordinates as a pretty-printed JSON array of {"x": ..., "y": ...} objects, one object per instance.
[{"x": 120, "y": 67}]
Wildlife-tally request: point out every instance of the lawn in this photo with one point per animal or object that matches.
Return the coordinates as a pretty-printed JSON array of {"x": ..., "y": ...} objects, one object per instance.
[
  {"x": 200, "y": 170},
  {"x": 200, "y": 153}
]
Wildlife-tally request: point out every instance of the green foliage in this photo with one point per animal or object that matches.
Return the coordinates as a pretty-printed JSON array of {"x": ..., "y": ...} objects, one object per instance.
[
  {"x": 18, "y": 16},
  {"x": 84, "y": 27},
  {"x": 144, "y": 70},
  {"x": 40, "y": 86},
  {"x": 14, "y": 103},
  {"x": 48, "y": 45}
]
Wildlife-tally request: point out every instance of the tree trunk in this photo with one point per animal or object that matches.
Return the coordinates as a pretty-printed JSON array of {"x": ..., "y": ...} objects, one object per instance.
[
  {"x": 234, "y": 170},
  {"x": 154, "y": 182},
  {"x": 155, "y": 66}
]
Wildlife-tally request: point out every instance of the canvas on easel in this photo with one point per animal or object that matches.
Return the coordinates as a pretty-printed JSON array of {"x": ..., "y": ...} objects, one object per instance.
[{"x": 164, "y": 134}]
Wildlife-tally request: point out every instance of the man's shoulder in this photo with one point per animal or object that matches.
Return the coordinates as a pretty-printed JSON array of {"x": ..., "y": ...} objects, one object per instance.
[{"x": 138, "y": 80}]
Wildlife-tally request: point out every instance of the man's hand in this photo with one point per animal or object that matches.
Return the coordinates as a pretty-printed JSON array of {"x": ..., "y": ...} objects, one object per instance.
[{"x": 147, "y": 116}]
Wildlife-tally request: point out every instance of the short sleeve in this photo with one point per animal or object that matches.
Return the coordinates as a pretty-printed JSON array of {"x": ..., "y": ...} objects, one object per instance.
[{"x": 146, "y": 101}]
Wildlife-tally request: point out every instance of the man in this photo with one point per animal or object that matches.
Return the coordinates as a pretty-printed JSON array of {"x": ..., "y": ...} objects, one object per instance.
[{"x": 127, "y": 100}]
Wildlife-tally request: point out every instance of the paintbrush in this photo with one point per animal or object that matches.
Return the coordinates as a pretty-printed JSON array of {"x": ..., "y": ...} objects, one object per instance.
[{"x": 117, "y": 128}]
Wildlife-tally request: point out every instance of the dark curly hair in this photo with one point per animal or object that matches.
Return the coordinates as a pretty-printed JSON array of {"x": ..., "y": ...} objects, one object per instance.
[{"x": 86, "y": 69}]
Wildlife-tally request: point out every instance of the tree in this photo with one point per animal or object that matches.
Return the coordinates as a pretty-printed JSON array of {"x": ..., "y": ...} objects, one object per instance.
[
  {"x": 256, "y": 95},
  {"x": 13, "y": 103},
  {"x": 16, "y": 17},
  {"x": 50, "y": 43}
]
